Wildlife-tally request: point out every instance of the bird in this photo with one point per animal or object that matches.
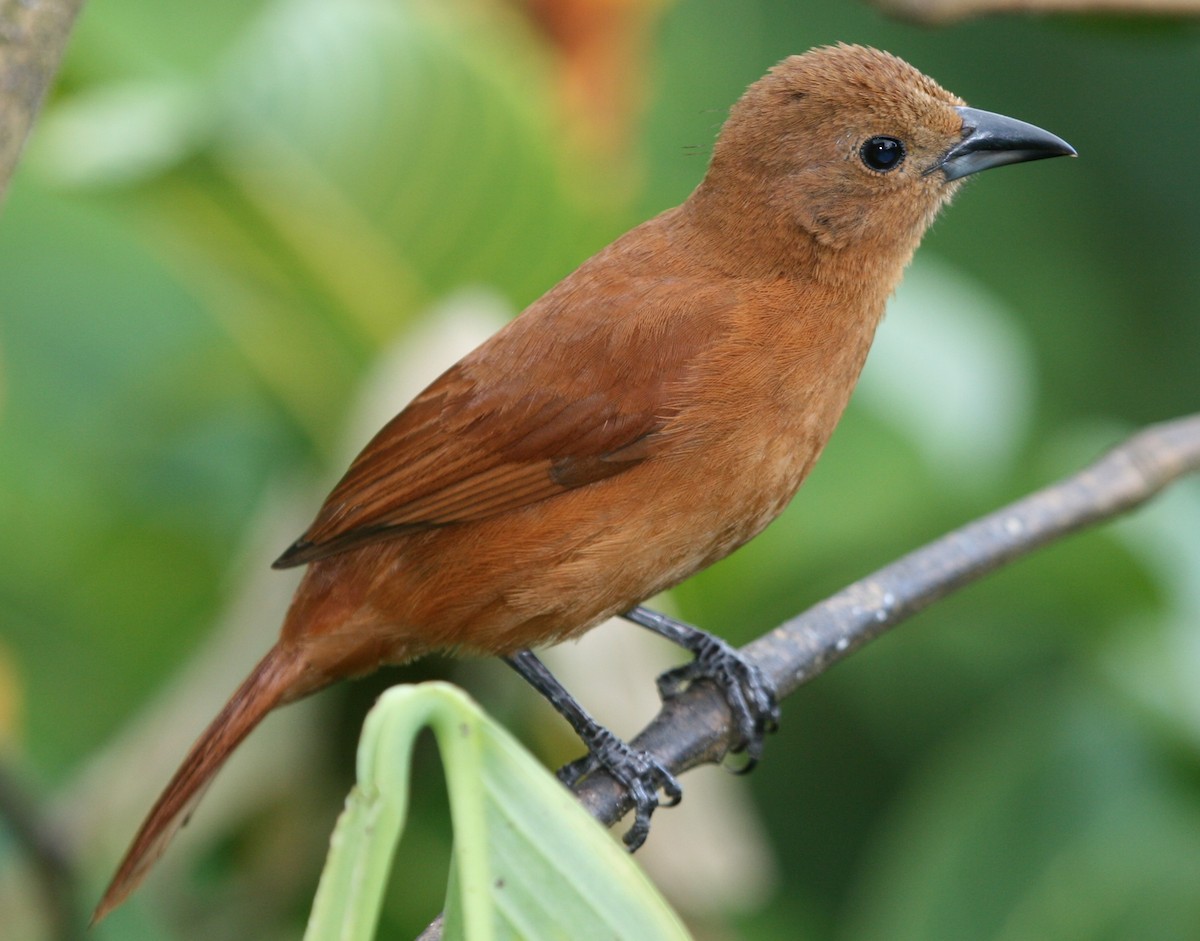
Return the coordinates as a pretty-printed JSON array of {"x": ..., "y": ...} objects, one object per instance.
[{"x": 648, "y": 415}]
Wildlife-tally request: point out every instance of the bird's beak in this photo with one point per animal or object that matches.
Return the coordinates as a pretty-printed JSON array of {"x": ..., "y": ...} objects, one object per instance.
[{"x": 992, "y": 140}]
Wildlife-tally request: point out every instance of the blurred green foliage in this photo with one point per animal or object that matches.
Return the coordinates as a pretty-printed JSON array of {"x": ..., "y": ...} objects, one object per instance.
[{"x": 230, "y": 210}]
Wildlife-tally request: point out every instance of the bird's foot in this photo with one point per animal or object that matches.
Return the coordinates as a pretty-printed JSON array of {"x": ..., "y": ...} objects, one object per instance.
[
  {"x": 640, "y": 773},
  {"x": 751, "y": 696}
]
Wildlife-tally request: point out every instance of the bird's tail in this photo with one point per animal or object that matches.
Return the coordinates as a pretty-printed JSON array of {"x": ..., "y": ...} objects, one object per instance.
[{"x": 278, "y": 678}]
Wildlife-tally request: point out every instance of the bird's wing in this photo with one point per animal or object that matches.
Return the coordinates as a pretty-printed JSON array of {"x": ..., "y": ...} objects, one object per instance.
[{"x": 499, "y": 431}]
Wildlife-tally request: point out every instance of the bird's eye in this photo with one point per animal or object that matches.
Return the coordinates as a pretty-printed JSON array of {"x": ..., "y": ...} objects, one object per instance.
[{"x": 882, "y": 153}]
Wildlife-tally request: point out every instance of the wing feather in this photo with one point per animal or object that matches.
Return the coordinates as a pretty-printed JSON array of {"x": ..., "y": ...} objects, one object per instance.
[{"x": 500, "y": 430}]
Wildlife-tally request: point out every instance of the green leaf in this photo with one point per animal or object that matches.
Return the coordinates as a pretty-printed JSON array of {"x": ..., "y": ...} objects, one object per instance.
[{"x": 529, "y": 862}]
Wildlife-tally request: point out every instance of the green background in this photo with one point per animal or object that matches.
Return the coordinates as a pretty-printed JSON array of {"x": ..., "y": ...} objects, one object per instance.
[{"x": 235, "y": 217}]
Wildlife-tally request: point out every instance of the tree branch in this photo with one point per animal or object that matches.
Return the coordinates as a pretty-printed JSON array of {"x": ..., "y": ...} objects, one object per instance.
[
  {"x": 695, "y": 729},
  {"x": 940, "y": 12},
  {"x": 33, "y": 35},
  {"x": 48, "y": 856}
]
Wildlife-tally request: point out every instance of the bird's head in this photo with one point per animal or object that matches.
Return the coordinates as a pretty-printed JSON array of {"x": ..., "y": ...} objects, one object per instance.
[{"x": 855, "y": 146}]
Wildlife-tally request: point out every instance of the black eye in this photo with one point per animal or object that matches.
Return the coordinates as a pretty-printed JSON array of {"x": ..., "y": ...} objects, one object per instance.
[{"x": 882, "y": 153}]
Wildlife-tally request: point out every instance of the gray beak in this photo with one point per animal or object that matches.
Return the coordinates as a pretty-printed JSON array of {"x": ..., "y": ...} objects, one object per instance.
[{"x": 992, "y": 140}]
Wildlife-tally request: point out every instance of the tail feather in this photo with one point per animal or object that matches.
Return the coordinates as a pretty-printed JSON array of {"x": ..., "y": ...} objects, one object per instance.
[{"x": 276, "y": 680}]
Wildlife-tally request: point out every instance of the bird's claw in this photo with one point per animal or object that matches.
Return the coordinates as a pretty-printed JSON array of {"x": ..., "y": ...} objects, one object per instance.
[
  {"x": 750, "y": 695},
  {"x": 640, "y": 773}
]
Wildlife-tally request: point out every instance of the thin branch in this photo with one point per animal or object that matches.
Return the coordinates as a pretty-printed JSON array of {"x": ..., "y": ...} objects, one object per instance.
[
  {"x": 49, "y": 860},
  {"x": 33, "y": 35},
  {"x": 695, "y": 728},
  {"x": 940, "y": 12}
]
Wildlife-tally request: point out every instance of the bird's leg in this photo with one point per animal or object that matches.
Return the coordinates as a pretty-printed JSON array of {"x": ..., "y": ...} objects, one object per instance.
[
  {"x": 750, "y": 695},
  {"x": 639, "y": 773}
]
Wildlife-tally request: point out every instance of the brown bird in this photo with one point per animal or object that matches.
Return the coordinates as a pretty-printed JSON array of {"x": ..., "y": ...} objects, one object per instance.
[{"x": 644, "y": 418}]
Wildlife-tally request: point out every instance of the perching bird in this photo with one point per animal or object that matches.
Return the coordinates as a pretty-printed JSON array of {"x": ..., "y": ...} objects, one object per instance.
[{"x": 644, "y": 418}]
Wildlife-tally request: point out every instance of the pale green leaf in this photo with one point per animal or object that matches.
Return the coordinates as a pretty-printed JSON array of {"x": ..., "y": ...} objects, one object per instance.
[{"x": 529, "y": 862}]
